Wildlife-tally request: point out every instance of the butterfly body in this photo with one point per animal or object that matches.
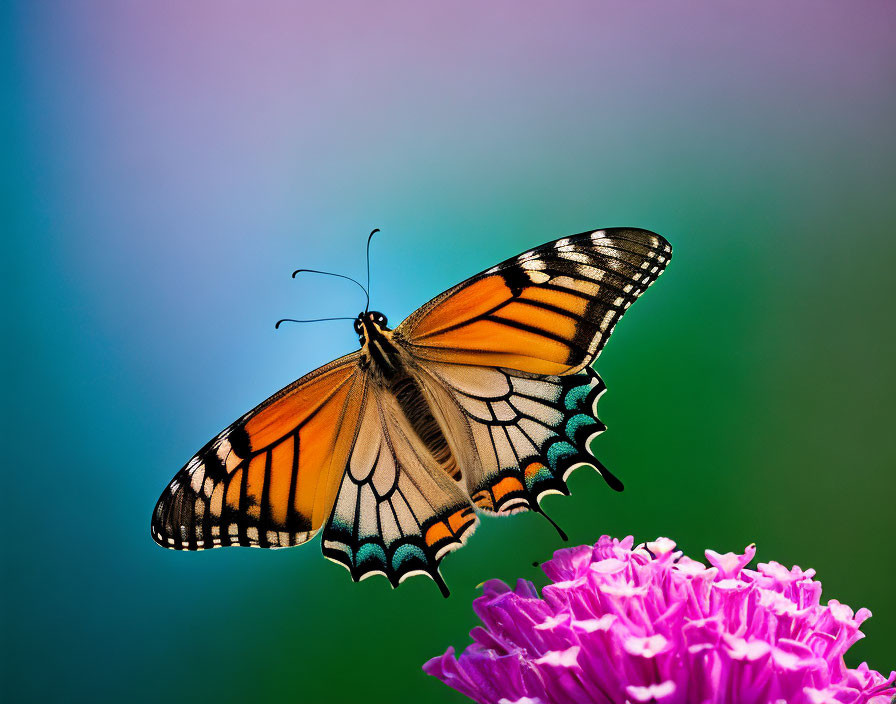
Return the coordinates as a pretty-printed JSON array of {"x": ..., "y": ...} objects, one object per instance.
[
  {"x": 391, "y": 368},
  {"x": 482, "y": 401}
]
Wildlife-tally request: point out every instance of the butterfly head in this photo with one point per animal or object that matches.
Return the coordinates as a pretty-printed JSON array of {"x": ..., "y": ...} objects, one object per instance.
[{"x": 369, "y": 324}]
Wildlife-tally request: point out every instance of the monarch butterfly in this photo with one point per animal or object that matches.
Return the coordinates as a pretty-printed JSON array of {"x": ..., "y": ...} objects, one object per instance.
[{"x": 483, "y": 400}]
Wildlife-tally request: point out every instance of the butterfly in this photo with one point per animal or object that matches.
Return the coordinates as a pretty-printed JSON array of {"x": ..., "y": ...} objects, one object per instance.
[{"x": 481, "y": 401}]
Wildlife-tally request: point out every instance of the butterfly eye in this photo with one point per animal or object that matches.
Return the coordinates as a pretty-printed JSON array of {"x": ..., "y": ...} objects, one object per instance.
[
  {"x": 358, "y": 326},
  {"x": 376, "y": 317}
]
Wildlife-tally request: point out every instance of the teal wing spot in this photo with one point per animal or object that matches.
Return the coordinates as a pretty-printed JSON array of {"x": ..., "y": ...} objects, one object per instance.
[
  {"x": 371, "y": 551},
  {"x": 558, "y": 451},
  {"x": 339, "y": 523},
  {"x": 575, "y": 423},
  {"x": 404, "y": 553},
  {"x": 575, "y": 398}
]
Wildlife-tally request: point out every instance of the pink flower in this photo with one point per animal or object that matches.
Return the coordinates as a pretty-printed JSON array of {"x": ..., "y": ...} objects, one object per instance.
[{"x": 621, "y": 625}]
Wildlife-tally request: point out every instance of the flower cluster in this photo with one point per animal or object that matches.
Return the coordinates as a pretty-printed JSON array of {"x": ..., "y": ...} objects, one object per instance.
[{"x": 622, "y": 625}]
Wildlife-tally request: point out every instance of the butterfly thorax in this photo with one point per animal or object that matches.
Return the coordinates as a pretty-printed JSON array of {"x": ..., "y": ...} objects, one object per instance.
[
  {"x": 379, "y": 353},
  {"x": 383, "y": 359}
]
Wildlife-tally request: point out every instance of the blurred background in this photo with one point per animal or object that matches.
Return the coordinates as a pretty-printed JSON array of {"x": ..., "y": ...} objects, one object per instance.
[{"x": 168, "y": 165}]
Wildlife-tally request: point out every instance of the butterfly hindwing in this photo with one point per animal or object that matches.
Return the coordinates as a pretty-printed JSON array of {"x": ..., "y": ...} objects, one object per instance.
[
  {"x": 520, "y": 435},
  {"x": 270, "y": 479},
  {"x": 397, "y": 513},
  {"x": 548, "y": 311}
]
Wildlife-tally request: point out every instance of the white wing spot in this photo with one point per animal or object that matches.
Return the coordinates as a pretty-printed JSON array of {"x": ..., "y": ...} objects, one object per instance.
[
  {"x": 223, "y": 449},
  {"x": 573, "y": 256},
  {"x": 536, "y": 387}
]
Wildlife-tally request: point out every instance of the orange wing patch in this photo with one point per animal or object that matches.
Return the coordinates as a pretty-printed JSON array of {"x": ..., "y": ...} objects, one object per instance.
[
  {"x": 471, "y": 301},
  {"x": 505, "y": 495},
  {"x": 450, "y": 530}
]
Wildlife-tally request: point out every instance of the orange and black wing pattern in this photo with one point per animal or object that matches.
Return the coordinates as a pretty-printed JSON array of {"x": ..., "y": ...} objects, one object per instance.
[
  {"x": 271, "y": 478},
  {"x": 548, "y": 311}
]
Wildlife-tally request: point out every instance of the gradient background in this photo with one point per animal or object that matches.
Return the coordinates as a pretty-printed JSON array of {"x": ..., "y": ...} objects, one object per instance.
[{"x": 169, "y": 164}]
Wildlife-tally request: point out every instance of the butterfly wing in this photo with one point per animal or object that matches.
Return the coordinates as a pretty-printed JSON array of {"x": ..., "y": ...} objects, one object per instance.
[
  {"x": 548, "y": 311},
  {"x": 518, "y": 435},
  {"x": 397, "y": 513},
  {"x": 270, "y": 479}
]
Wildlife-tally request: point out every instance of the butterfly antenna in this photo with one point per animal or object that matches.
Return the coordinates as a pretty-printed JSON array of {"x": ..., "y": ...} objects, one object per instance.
[
  {"x": 330, "y": 273},
  {"x": 370, "y": 237},
  {"x": 313, "y": 320}
]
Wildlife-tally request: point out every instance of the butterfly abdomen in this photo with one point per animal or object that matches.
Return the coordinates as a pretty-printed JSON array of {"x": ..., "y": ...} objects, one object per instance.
[{"x": 419, "y": 415}]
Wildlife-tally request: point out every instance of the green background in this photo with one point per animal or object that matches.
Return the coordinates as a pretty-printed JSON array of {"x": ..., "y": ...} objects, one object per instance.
[{"x": 168, "y": 165}]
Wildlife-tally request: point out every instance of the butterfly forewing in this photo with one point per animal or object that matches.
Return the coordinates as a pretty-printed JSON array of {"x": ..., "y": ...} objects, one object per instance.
[
  {"x": 547, "y": 311},
  {"x": 270, "y": 479}
]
